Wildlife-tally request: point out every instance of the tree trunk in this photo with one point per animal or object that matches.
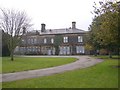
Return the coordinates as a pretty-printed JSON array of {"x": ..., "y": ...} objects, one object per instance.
[
  {"x": 12, "y": 49},
  {"x": 57, "y": 50},
  {"x": 110, "y": 50},
  {"x": 95, "y": 52},
  {"x": 12, "y": 59},
  {"x": 110, "y": 54}
]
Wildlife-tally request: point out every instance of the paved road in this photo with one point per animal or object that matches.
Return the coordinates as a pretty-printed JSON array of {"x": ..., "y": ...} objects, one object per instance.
[{"x": 82, "y": 62}]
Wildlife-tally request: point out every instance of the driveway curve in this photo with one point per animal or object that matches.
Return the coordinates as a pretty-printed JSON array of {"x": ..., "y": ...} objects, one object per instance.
[{"x": 82, "y": 62}]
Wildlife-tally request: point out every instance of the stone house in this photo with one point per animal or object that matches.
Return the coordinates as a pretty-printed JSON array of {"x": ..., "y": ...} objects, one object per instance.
[{"x": 65, "y": 41}]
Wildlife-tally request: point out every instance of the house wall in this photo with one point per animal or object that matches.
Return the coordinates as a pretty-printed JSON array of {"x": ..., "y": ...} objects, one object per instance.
[{"x": 34, "y": 44}]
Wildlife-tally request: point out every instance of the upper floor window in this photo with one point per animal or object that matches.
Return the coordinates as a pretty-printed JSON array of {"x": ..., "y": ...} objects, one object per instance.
[
  {"x": 29, "y": 40},
  {"x": 80, "y": 39},
  {"x": 45, "y": 40},
  {"x": 52, "y": 40},
  {"x": 65, "y": 39},
  {"x": 35, "y": 40},
  {"x": 32, "y": 41},
  {"x": 23, "y": 41}
]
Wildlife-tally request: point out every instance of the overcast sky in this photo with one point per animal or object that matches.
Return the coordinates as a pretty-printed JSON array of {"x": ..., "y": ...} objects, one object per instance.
[{"x": 55, "y": 13}]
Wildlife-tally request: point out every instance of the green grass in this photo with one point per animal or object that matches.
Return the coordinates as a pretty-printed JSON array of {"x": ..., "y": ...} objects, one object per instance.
[
  {"x": 102, "y": 75},
  {"x": 107, "y": 57},
  {"x": 30, "y": 63}
]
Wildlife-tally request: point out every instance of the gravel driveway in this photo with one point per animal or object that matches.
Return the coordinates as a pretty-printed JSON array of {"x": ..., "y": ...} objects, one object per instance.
[{"x": 82, "y": 62}]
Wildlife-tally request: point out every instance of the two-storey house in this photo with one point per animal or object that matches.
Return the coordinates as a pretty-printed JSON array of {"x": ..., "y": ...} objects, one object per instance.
[{"x": 65, "y": 41}]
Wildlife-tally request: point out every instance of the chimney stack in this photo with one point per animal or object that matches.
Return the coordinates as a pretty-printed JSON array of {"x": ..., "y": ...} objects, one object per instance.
[
  {"x": 42, "y": 27},
  {"x": 73, "y": 25}
]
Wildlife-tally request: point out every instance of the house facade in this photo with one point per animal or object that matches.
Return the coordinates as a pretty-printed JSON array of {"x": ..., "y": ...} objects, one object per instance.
[{"x": 65, "y": 41}]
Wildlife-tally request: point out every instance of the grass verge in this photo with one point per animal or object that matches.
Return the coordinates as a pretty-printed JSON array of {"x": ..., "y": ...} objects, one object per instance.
[
  {"x": 30, "y": 63},
  {"x": 102, "y": 75}
]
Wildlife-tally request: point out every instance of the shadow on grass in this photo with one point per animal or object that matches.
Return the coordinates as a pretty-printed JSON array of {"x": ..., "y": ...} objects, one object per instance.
[{"x": 117, "y": 57}]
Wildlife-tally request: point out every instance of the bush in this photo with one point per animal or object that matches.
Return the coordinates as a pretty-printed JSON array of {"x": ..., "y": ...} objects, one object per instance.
[{"x": 103, "y": 52}]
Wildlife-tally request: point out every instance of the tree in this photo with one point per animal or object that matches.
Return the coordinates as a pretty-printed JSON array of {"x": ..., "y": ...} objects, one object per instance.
[
  {"x": 14, "y": 23},
  {"x": 88, "y": 45},
  {"x": 58, "y": 41},
  {"x": 119, "y": 28},
  {"x": 104, "y": 28},
  {"x": 88, "y": 48},
  {"x": 5, "y": 50}
]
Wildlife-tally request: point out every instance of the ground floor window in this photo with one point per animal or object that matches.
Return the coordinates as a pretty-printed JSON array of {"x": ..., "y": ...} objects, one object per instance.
[
  {"x": 47, "y": 50},
  {"x": 50, "y": 50},
  {"x": 64, "y": 50},
  {"x": 79, "y": 49},
  {"x": 33, "y": 49},
  {"x": 16, "y": 49},
  {"x": 21, "y": 50}
]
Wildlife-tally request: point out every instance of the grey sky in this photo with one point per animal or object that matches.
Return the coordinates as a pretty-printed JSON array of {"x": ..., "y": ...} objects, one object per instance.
[{"x": 55, "y": 13}]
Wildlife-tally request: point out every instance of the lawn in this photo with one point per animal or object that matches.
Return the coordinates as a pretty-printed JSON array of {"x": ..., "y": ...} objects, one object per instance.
[
  {"x": 102, "y": 75},
  {"x": 30, "y": 63}
]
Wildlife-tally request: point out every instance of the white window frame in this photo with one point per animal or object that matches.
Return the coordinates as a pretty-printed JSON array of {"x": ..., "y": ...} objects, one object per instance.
[
  {"x": 80, "y": 49},
  {"x": 61, "y": 50},
  {"x": 80, "y": 39},
  {"x": 35, "y": 40},
  {"x": 30, "y": 49},
  {"x": 68, "y": 49},
  {"x": 45, "y": 40},
  {"x": 34, "y": 49},
  {"x": 52, "y": 40},
  {"x": 23, "y": 40},
  {"x": 29, "y": 41},
  {"x": 32, "y": 40},
  {"x": 39, "y": 49},
  {"x": 65, "y": 39}
]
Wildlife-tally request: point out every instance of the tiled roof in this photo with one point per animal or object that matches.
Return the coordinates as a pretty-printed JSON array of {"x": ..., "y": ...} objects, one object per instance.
[
  {"x": 56, "y": 31},
  {"x": 62, "y": 31},
  {"x": 33, "y": 32}
]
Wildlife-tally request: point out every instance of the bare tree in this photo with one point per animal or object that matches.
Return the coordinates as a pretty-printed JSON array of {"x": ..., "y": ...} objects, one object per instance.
[{"x": 15, "y": 23}]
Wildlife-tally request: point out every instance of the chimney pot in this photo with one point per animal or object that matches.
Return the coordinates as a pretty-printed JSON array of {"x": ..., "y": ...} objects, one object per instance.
[
  {"x": 43, "y": 27},
  {"x": 73, "y": 25}
]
